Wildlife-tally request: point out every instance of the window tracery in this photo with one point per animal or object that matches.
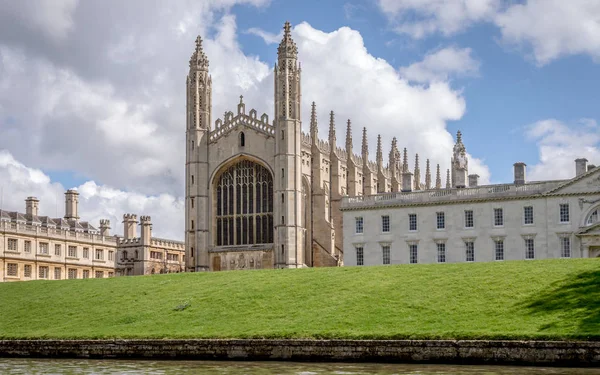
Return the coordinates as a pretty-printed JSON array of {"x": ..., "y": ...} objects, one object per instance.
[{"x": 244, "y": 202}]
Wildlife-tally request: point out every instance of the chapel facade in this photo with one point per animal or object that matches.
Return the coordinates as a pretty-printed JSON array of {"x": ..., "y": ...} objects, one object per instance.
[{"x": 261, "y": 193}]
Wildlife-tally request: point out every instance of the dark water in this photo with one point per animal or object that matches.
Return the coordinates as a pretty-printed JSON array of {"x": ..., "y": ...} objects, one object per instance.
[{"x": 102, "y": 367}]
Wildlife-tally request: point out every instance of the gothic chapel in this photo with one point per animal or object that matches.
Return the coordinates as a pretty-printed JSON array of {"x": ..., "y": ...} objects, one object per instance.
[{"x": 260, "y": 193}]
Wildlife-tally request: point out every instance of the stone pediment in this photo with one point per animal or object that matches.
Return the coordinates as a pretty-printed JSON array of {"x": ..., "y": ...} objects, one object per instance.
[
  {"x": 592, "y": 230},
  {"x": 249, "y": 121},
  {"x": 588, "y": 182}
]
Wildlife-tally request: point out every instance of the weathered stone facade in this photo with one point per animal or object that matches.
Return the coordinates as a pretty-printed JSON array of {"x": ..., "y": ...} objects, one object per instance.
[
  {"x": 147, "y": 255},
  {"x": 549, "y": 353}
]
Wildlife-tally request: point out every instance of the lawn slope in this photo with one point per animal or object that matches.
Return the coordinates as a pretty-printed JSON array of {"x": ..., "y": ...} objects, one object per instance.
[{"x": 548, "y": 299}]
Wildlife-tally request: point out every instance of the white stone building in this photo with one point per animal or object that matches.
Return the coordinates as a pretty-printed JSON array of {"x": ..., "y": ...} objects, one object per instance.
[
  {"x": 520, "y": 220},
  {"x": 34, "y": 247}
]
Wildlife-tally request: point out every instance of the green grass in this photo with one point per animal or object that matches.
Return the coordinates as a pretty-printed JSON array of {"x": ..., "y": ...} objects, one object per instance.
[{"x": 549, "y": 299}]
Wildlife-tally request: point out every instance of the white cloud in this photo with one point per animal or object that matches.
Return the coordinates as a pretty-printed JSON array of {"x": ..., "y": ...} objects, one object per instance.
[
  {"x": 51, "y": 17},
  {"x": 95, "y": 201},
  {"x": 440, "y": 65},
  {"x": 421, "y": 18},
  {"x": 560, "y": 144},
  {"x": 268, "y": 38},
  {"x": 553, "y": 28}
]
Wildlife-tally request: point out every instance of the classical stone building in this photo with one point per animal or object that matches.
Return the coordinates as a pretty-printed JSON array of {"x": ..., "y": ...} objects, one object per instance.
[
  {"x": 144, "y": 254},
  {"x": 464, "y": 222},
  {"x": 36, "y": 247}
]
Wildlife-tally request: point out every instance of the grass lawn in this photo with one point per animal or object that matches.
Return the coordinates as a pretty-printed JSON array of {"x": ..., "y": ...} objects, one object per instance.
[{"x": 545, "y": 299}]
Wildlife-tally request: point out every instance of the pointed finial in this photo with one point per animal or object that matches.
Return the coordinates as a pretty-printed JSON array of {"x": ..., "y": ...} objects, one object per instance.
[
  {"x": 427, "y": 175},
  {"x": 448, "y": 184},
  {"x": 332, "y": 129},
  {"x": 314, "y": 127},
  {"x": 287, "y": 47},
  {"x": 349, "y": 139},
  {"x": 241, "y": 99},
  {"x": 438, "y": 178},
  {"x": 458, "y": 137},
  {"x": 405, "y": 161},
  {"x": 417, "y": 174},
  {"x": 379, "y": 155},
  {"x": 198, "y": 58},
  {"x": 365, "y": 145}
]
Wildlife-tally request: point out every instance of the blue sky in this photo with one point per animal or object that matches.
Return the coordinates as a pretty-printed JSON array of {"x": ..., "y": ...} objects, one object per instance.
[{"x": 92, "y": 92}]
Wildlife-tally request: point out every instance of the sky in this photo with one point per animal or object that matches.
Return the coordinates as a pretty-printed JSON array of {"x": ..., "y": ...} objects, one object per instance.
[{"x": 92, "y": 93}]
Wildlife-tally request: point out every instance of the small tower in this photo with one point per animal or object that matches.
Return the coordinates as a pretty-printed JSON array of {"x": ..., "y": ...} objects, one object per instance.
[
  {"x": 146, "y": 235},
  {"x": 332, "y": 138},
  {"x": 32, "y": 206},
  {"x": 129, "y": 226},
  {"x": 198, "y": 120},
  {"x": 289, "y": 243},
  {"x": 394, "y": 162},
  {"x": 71, "y": 203},
  {"x": 459, "y": 163},
  {"x": 406, "y": 174},
  {"x": 427, "y": 175},
  {"x": 368, "y": 183},
  {"x": 438, "y": 178},
  {"x": 448, "y": 183},
  {"x": 105, "y": 227},
  {"x": 381, "y": 178},
  {"x": 314, "y": 127},
  {"x": 349, "y": 139}
]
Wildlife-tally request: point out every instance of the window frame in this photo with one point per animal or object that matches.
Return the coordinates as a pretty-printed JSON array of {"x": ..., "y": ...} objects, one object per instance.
[
  {"x": 529, "y": 250},
  {"x": 470, "y": 251},
  {"x": 567, "y": 213},
  {"x": 472, "y": 219},
  {"x": 499, "y": 249},
  {"x": 441, "y": 252},
  {"x": 385, "y": 223},
  {"x": 386, "y": 250},
  {"x": 413, "y": 253},
  {"x": 525, "y": 216},
  {"x": 440, "y": 217},
  {"x": 411, "y": 222},
  {"x": 359, "y": 222},
  {"x": 498, "y": 217},
  {"x": 565, "y": 249},
  {"x": 360, "y": 255}
]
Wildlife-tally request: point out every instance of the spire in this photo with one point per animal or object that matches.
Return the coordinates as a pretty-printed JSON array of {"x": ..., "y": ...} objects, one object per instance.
[
  {"x": 417, "y": 174},
  {"x": 379, "y": 155},
  {"x": 427, "y": 175},
  {"x": 448, "y": 184},
  {"x": 287, "y": 47},
  {"x": 405, "y": 161},
  {"x": 349, "y": 139},
  {"x": 332, "y": 130},
  {"x": 199, "y": 59},
  {"x": 314, "y": 127},
  {"x": 365, "y": 146},
  {"x": 458, "y": 137},
  {"x": 438, "y": 178}
]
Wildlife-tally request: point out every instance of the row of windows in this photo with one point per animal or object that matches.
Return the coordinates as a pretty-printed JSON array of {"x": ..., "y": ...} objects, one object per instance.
[
  {"x": 72, "y": 251},
  {"x": 12, "y": 270},
  {"x": 468, "y": 216},
  {"x": 529, "y": 247}
]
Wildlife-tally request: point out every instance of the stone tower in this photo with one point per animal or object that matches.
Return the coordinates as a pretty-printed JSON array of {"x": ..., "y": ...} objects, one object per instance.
[
  {"x": 459, "y": 163},
  {"x": 71, "y": 203},
  {"x": 198, "y": 119},
  {"x": 287, "y": 184}
]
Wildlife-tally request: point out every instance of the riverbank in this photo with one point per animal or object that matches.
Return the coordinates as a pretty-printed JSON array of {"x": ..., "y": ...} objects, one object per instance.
[
  {"x": 546, "y": 353},
  {"x": 519, "y": 300}
]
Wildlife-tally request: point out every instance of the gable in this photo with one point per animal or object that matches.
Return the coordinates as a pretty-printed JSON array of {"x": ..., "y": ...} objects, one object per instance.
[
  {"x": 588, "y": 182},
  {"x": 241, "y": 120}
]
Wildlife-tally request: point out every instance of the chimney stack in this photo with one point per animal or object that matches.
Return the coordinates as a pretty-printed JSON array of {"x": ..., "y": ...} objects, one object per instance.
[
  {"x": 104, "y": 227},
  {"x": 71, "y": 202},
  {"x": 580, "y": 166},
  {"x": 32, "y": 205},
  {"x": 146, "y": 234},
  {"x": 519, "y": 173},
  {"x": 473, "y": 180},
  {"x": 590, "y": 167},
  {"x": 129, "y": 226},
  {"x": 407, "y": 182}
]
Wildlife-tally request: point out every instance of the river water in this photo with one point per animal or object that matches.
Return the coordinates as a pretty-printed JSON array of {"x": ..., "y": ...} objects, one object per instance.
[{"x": 11, "y": 366}]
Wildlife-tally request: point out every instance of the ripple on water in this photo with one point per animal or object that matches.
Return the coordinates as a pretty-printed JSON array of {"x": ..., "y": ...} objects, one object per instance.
[{"x": 19, "y": 366}]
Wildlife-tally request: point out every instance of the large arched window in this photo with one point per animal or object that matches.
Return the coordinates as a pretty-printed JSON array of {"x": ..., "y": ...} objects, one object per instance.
[
  {"x": 244, "y": 200},
  {"x": 593, "y": 217}
]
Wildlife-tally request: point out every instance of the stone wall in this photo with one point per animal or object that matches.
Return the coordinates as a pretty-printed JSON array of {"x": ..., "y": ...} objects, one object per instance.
[{"x": 431, "y": 351}]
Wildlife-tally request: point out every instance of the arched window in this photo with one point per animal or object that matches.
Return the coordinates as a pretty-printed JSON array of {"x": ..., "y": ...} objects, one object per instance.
[
  {"x": 244, "y": 202},
  {"x": 242, "y": 139},
  {"x": 592, "y": 218},
  {"x": 124, "y": 254},
  {"x": 136, "y": 254}
]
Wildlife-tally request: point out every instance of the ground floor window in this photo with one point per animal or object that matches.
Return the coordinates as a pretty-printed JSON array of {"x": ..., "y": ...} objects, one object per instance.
[
  {"x": 360, "y": 256},
  {"x": 27, "y": 270},
  {"x": 99, "y": 274},
  {"x": 441, "y": 252},
  {"x": 565, "y": 247},
  {"x": 470, "y": 251},
  {"x": 413, "y": 253},
  {"x": 386, "y": 254},
  {"x": 12, "y": 269},
  {"x": 86, "y": 274},
  {"x": 57, "y": 272},
  {"x": 529, "y": 249},
  {"x": 43, "y": 272},
  {"x": 499, "y": 249},
  {"x": 72, "y": 273}
]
